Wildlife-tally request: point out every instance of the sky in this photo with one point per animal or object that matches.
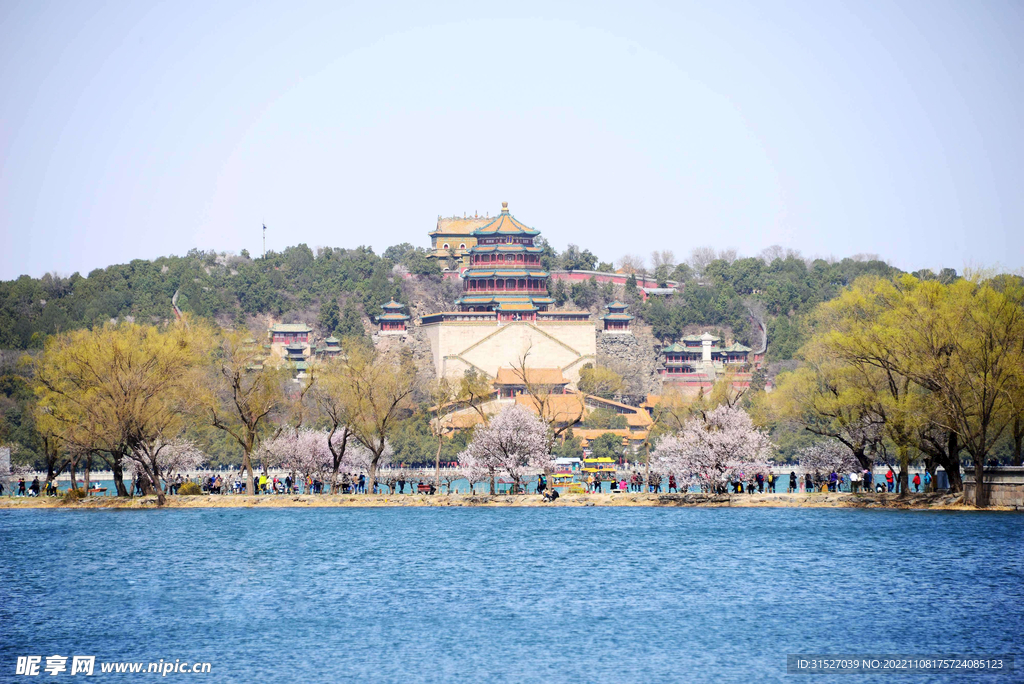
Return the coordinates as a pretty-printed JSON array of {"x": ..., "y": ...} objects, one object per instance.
[{"x": 135, "y": 130}]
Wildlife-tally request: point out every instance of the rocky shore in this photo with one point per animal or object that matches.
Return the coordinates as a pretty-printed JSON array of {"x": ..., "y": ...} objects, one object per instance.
[{"x": 948, "y": 502}]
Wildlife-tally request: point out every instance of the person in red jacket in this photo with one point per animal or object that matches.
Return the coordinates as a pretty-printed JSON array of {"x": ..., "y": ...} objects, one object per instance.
[{"x": 889, "y": 478}]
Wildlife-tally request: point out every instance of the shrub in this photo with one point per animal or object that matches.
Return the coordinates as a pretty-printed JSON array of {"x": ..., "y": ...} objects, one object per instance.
[
  {"x": 74, "y": 495},
  {"x": 190, "y": 489}
]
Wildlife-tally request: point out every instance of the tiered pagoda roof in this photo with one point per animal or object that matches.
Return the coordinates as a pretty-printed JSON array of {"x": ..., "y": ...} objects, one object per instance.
[
  {"x": 393, "y": 312},
  {"x": 616, "y": 312},
  {"x": 504, "y": 225}
]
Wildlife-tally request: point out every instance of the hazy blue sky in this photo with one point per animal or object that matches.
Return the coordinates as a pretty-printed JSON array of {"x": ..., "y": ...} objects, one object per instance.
[{"x": 134, "y": 130}]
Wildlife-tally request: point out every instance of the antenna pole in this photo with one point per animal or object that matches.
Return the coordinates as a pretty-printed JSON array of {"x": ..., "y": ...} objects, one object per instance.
[{"x": 264, "y": 240}]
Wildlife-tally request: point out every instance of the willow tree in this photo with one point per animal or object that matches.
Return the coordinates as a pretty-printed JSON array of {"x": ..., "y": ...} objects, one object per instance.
[
  {"x": 952, "y": 353},
  {"x": 380, "y": 386},
  {"x": 240, "y": 392},
  {"x": 335, "y": 402},
  {"x": 121, "y": 389},
  {"x": 821, "y": 396}
]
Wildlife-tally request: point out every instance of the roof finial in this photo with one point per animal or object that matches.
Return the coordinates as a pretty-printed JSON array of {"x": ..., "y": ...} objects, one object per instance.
[{"x": 504, "y": 207}]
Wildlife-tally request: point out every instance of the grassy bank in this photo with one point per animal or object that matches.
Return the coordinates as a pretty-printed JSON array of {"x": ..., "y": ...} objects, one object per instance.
[{"x": 817, "y": 500}]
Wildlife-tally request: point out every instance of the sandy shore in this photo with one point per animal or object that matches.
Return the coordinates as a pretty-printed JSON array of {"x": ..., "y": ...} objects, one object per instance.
[{"x": 816, "y": 500}]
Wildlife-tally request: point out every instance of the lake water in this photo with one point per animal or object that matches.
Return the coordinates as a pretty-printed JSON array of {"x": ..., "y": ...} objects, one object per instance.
[{"x": 525, "y": 595}]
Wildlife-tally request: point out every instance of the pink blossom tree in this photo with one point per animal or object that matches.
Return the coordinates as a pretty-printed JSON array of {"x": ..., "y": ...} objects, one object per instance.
[
  {"x": 514, "y": 443},
  {"x": 303, "y": 451},
  {"x": 828, "y": 456},
  {"x": 713, "y": 447},
  {"x": 166, "y": 458}
]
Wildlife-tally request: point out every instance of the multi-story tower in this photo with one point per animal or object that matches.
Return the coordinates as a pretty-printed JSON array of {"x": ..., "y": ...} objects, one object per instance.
[
  {"x": 505, "y": 274},
  {"x": 504, "y": 316}
]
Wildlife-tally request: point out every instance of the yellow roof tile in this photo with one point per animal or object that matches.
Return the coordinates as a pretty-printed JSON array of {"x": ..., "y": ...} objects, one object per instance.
[{"x": 536, "y": 376}]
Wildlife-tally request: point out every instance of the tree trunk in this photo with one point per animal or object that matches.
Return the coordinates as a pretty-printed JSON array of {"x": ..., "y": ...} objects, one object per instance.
[
  {"x": 951, "y": 464},
  {"x": 88, "y": 474},
  {"x": 437, "y": 463},
  {"x": 862, "y": 458},
  {"x": 337, "y": 456},
  {"x": 1018, "y": 440},
  {"x": 372, "y": 478},
  {"x": 647, "y": 468},
  {"x": 980, "y": 487},
  {"x": 118, "y": 470},
  {"x": 247, "y": 466},
  {"x": 930, "y": 464}
]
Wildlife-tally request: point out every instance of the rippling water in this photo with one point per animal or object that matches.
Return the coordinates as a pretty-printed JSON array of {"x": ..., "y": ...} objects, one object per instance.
[{"x": 473, "y": 594}]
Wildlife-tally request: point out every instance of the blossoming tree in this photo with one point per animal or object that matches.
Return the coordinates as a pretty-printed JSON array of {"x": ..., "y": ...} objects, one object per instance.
[
  {"x": 828, "y": 456},
  {"x": 515, "y": 443},
  {"x": 713, "y": 447}
]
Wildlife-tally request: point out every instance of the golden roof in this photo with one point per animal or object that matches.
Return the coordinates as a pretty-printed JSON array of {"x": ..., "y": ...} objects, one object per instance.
[
  {"x": 505, "y": 224},
  {"x": 641, "y": 419},
  {"x": 559, "y": 408},
  {"x": 462, "y": 420},
  {"x": 536, "y": 376},
  {"x": 454, "y": 225}
]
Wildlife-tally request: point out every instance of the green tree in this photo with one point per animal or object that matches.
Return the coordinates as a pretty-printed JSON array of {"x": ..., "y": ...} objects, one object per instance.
[
  {"x": 607, "y": 445},
  {"x": 330, "y": 316},
  {"x": 351, "y": 323}
]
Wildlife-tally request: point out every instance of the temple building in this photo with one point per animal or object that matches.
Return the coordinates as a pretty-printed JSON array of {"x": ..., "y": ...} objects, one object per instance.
[
  {"x": 453, "y": 238},
  {"x": 702, "y": 357},
  {"x": 509, "y": 382},
  {"x": 286, "y": 333},
  {"x": 617, "y": 320},
  {"x": 505, "y": 310},
  {"x": 393, "y": 321},
  {"x": 331, "y": 348},
  {"x": 505, "y": 274}
]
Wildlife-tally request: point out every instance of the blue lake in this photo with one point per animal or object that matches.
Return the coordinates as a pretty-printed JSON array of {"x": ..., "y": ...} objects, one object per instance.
[{"x": 525, "y": 595}]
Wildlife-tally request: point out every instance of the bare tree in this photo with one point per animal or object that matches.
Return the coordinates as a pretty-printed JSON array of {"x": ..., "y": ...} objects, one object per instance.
[
  {"x": 727, "y": 255},
  {"x": 632, "y": 264},
  {"x": 770, "y": 254},
  {"x": 699, "y": 259},
  {"x": 559, "y": 411}
]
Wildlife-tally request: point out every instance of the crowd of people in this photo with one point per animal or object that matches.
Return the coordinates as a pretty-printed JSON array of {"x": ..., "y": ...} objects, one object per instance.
[{"x": 396, "y": 482}]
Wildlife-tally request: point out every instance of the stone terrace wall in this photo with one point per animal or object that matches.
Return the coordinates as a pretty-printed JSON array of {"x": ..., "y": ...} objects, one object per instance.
[
  {"x": 633, "y": 357},
  {"x": 1005, "y": 485}
]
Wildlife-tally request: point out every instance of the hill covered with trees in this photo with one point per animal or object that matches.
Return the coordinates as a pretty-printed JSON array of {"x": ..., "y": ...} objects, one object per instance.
[{"x": 333, "y": 287}]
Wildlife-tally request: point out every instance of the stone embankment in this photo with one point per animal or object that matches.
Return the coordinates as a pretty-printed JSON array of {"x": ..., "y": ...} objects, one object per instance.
[{"x": 949, "y": 502}]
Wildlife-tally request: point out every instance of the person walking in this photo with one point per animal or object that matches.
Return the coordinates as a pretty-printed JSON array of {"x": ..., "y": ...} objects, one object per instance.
[
  {"x": 792, "y": 482},
  {"x": 927, "y": 481},
  {"x": 890, "y": 476},
  {"x": 672, "y": 484},
  {"x": 21, "y": 486},
  {"x": 808, "y": 483},
  {"x": 869, "y": 479},
  {"x": 854, "y": 481},
  {"x": 917, "y": 482},
  {"x": 760, "y": 483}
]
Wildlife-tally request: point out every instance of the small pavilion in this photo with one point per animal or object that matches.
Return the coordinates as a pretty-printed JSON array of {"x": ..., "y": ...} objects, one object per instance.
[
  {"x": 617, "y": 320},
  {"x": 393, "y": 321}
]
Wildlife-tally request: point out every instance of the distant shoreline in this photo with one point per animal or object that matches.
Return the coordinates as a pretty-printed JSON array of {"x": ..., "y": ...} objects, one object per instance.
[{"x": 945, "y": 502}]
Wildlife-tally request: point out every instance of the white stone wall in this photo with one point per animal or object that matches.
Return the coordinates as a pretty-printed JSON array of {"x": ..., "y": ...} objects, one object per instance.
[{"x": 458, "y": 346}]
